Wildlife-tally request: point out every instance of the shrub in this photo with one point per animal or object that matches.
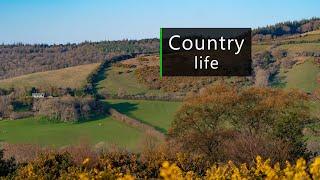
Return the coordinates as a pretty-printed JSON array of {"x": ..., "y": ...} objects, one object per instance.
[
  {"x": 243, "y": 147},
  {"x": 288, "y": 63},
  {"x": 7, "y": 166},
  {"x": 60, "y": 167},
  {"x": 262, "y": 169},
  {"x": 149, "y": 75},
  {"x": 198, "y": 124},
  {"x": 122, "y": 65},
  {"x": 275, "y": 114},
  {"x": 47, "y": 166},
  {"x": 316, "y": 94},
  {"x": 142, "y": 59},
  {"x": 23, "y": 153},
  {"x": 278, "y": 54},
  {"x": 262, "y": 78},
  {"x": 218, "y": 115},
  {"x": 80, "y": 152},
  {"x": 20, "y": 115},
  {"x": 5, "y": 106},
  {"x": 263, "y": 59},
  {"x": 4, "y": 92}
]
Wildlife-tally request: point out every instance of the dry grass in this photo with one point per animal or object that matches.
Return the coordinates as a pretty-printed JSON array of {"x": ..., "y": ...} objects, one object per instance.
[
  {"x": 313, "y": 32},
  {"x": 73, "y": 77},
  {"x": 313, "y": 36},
  {"x": 260, "y": 48},
  {"x": 294, "y": 48},
  {"x": 148, "y": 61}
]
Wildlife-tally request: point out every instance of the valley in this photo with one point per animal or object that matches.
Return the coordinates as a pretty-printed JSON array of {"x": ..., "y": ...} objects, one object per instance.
[{"x": 132, "y": 87}]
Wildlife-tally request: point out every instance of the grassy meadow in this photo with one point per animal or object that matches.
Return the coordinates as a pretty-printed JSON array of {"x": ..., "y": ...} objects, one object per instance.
[
  {"x": 260, "y": 47},
  {"x": 294, "y": 48},
  {"x": 159, "y": 114},
  {"x": 302, "y": 76},
  {"x": 105, "y": 131},
  {"x": 73, "y": 77},
  {"x": 123, "y": 80}
]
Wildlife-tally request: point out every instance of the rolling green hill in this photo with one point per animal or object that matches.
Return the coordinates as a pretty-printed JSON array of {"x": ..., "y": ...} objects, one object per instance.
[
  {"x": 303, "y": 74},
  {"x": 73, "y": 77},
  {"x": 122, "y": 80}
]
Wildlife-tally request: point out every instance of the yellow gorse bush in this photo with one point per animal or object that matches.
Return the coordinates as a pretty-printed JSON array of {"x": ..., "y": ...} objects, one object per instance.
[
  {"x": 315, "y": 168},
  {"x": 262, "y": 169}
]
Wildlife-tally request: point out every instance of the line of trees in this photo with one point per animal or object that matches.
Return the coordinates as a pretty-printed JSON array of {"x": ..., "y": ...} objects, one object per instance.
[
  {"x": 59, "y": 105},
  {"x": 289, "y": 27},
  {"x": 68, "y": 109}
]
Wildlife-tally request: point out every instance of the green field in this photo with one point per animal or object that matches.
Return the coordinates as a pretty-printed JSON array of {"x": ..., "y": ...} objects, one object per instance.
[
  {"x": 159, "y": 114},
  {"x": 35, "y": 131},
  {"x": 73, "y": 77},
  {"x": 120, "y": 80},
  {"x": 101, "y": 131},
  {"x": 315, "y": 108},
  {"x": 303, "y": 76},
  {"x": 104, "y": 130}
]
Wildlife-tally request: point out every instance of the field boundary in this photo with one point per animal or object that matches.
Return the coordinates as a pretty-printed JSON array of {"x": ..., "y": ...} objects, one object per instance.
[
  {"x": 144, "y": 97},
  {"x": 136, "y": 123}
]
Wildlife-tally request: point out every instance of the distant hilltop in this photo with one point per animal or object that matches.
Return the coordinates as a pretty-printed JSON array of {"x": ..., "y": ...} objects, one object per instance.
[{"x": 287, "y": 28}]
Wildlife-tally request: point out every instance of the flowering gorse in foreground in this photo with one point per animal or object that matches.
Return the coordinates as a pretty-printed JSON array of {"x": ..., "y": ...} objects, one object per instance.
[{"x": 262, "y": 169}]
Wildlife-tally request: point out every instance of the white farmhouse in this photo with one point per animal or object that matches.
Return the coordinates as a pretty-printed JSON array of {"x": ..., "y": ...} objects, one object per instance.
[{"x": 38, "y": 95}]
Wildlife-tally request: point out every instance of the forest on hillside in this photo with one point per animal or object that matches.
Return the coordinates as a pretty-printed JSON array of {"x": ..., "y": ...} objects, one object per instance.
[
  {"x": 20, "y": 59},
  {"x": 286, "y": 28}
]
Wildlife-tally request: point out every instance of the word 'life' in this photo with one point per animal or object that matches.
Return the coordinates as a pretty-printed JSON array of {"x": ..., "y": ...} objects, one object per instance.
[{"x": 200, "y": 63}]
